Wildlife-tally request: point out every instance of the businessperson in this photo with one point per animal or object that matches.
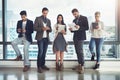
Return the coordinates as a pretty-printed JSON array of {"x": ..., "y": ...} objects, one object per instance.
[
  {"x": 24, "y": 30},
  {"x": 42, "y": 26},
  {"x": 79, "y": 37}
]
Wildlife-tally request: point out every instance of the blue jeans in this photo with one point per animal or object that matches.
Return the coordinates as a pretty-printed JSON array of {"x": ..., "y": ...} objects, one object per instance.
[
  {"x": 98, "y": 42},
  {"x": 42, "y": 49},
  {"x": 26, "y": 44}
]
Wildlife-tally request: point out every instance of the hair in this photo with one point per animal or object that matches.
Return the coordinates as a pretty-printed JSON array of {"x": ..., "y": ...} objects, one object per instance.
[
  {"x": 45, "y": 9},
  {"x": 62, "y": 19},
  {"x": 97, "y": 13},
  {"x": 23, "y": 13},
  {"x": 75, "y": 10}
]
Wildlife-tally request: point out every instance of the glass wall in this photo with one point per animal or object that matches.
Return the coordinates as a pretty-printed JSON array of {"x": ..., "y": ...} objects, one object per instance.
[
  {"x": 86, "y": 8},
  {"x": 1, "y": 37},
  {"x": 0, "y": 20}
]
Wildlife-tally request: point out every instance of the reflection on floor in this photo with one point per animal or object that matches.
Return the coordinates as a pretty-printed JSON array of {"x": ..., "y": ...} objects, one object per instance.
[{"x": 67, "y": 74}]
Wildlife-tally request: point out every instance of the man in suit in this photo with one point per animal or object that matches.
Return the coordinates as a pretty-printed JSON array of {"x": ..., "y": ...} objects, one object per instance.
[
  {"x": 42, "y": 26},
  {"x": 79, "y": 37},
  {"x": 24, "y": 30}
]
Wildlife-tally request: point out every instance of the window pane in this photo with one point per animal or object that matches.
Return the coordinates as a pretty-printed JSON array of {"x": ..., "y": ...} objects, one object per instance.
[
  {"x": 108, "y": 11},
  {"x": 108, "y": 16},
  {"x": 1, "y": 52},
  {"x": 0, "y": 20},
  {"x": 108, "y": 51}
]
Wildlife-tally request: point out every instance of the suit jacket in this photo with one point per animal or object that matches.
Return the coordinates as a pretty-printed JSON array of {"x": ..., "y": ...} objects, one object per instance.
[
  {"x": 38, "y": 25},
  {"x": 29, "y": 29},
  {"x": 81, "y": 33}
]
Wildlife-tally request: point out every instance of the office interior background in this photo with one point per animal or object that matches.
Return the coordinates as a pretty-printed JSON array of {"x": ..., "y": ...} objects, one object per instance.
[{"x": 9, "y": 15}]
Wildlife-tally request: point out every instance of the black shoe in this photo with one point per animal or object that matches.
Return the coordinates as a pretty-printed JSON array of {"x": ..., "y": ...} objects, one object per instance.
[
  {"x": 96, "y": 66},
  {"x": 40, "y": 70},
  {"x": 93, "y": 57},
  {"x": 45, "y": 67}
]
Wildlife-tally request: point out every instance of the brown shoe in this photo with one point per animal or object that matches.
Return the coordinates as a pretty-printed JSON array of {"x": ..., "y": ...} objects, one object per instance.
[
  {"x": 40, "y": 70},
  {"x": 75, "y": 68},
  {"x": 61, "y": 67},
  {"x": 45, "y": 67},
  {"x": 26, "y": 68},
  {"x": 80, "y": 69},
  {"x": 18, "y": 58},
  {"x": 57, "y": 66}
]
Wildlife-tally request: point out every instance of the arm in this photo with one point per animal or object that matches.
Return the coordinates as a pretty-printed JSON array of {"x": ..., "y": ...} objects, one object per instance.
[
  {"x": 30, "y": 28},
  {"x": 64, "y": 31},
  {"x": 37, "y": 26},
  {"x": 102, "y": 26},
  {"x": 19, "y": 28},
  {"x": 50, "y": 30},
  {"x": 84, "y": 25}
]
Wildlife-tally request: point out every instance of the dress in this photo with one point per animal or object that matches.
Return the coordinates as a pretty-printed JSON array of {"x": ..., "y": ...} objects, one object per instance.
[{"x": 59, "y": 43}]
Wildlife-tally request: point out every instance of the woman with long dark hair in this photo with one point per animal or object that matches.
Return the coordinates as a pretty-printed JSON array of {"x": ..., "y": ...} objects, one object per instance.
[{"x": 59, "y": 45}]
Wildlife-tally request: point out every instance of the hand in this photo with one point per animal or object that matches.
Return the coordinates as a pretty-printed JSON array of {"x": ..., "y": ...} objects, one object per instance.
[
  {"x": 47, "y": 28},
  {"x": 77, "y": 26},
  {"x": 23, "y": 30},
  {"x": 63, "y": 31},
  {"x": 19, "y": 30},
  {"x": 97, "y": 27},
  {"x": 70, "y": 29},
  {"x": 57, "y": 28},
  {"x": 44, "y": 29}
]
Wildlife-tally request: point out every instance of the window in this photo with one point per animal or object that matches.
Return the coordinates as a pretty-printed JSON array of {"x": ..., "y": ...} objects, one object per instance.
[
  {"x": 0, "y": 20},
  {"x": 86, "y": 8},
  {"x": 1, "y": 47}
]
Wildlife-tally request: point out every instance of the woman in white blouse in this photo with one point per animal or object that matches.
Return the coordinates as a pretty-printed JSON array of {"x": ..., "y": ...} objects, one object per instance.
[
  {"x": 59, "y": 45},
  {"x": 97, "y": 32}
]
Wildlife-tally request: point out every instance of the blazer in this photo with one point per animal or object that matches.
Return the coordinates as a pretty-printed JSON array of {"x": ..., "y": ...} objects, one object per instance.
[
  {"x": 29, "y": 29},
  {"x": 38, "y": 25},
  {"x": 81, "y": 33}
]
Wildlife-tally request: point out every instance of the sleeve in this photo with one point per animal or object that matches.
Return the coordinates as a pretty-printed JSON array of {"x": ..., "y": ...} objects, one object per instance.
[
  {"x": 30, "y": 29},
  {"x": 18, "y": 27},
  {"x": 37, "y": 26},
  {"x": 50, "y": 26},
  {"x": 73, "y": 31},
  {"x": 54, "y": 28},
  {"x": 85, "y": 25},
  {"x": 65, "y": 28},
  {"x": 102, "y": 26}
]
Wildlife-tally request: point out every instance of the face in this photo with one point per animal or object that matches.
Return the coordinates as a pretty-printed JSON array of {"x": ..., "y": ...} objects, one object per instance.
[
  {"x": 44, "y": 13},
  {"x": 97, "y": 17},
  {"x": 76, "y": 14},
  {"x": 59, "y": 18},
  {"x": 23, "y": 17}
]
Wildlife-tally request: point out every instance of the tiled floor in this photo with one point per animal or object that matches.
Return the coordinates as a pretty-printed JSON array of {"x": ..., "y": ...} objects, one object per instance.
[{"x": 67, "y": 74}]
